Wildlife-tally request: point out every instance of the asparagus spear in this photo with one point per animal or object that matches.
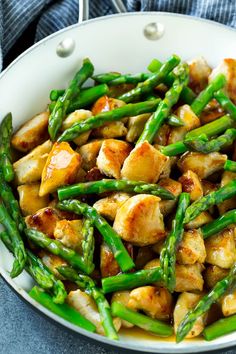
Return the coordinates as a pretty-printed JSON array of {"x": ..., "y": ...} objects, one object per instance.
[
  {"x": 204, "y": 203},
  {"x": 65, "y": 311},
  {"x": 40, "y": 273},
  {"x": 5, "y": 147},
  {"x": 168, "y": 252},
  {"x": 57, "y": 248},
  {"x": 230, "y": 166},
  {"x": 226, "y": 103},
  {"x": 55, "y": 94},
  {"x": 88, "y": 242},
  {"x": 89, "y": 286},
  {"x": 148, "y": 324},
  {"x": 11, "y": 203},
  {"x": 219, "y": 224},
  {"x": 111, "y": 238},
  {"x": 131, "y": 280},
  {"x": 154, "y": 80},
  {"x": 163, "y": 110},
  {"x": 175, "y": 121},
  {"x": 128, "y": 110},
  {"x": 110, "y": 185},
  {"x": 113, "y": 79},
  {"x": 202, "y": 143},
  {"x": 213, "y": 128},
  {"x": 16, "y": 241},
  {"x": 220, "y": 328},
  {"x": 63, "y": 102},
  {"x": 206, "y": 95},
  {"x": 205, "y": 303}
]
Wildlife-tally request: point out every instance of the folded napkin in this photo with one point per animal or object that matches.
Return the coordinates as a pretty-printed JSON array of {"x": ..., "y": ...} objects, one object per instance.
[{"x": 52, "y": 15}]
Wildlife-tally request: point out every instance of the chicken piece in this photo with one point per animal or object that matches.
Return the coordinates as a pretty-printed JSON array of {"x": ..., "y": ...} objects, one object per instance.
[
  {"x": 228, "y": 68},
  {"x": 61, "y": 168},
  {"x": 192, "y": 185},
  {"x": 29, "y": 168},
  {"x": 220, "y": 249},
  {"x": 144, "y": 163},
  {"x": 43, "y": 220},
  {"x": 213, "y": 274},
  {"x": 123, "y": 298},
  {"x": 199, "y": 221},
  {"x": 203, "y": 165},
  {"x": 89, "y": 153},
  {"x": 108, "y": 206},
  {"x": 140, "y": 221},
  {"x": 108, "y": 264},
  {"x": 228, "y": 304},
  {"x": 199, "y": 71},
  {"x": 87, "y": 307},
  {"x": 187, "y": 301},
  {"x": 190, "y": 121},
  {"x": 228, "y": 204},
  {"x": 75, "y": 117},
  {"x": 166, "y": 206},
  {"x": 156, "y": 302},
  {"x": 52, "y": 262},
  {"x": 69, "y": 232},
  {"x": 112, "y": 156},
  {"x": 110, "y": 129},
  {"x": 191, "y": 249},
  {"x": 29, "y": 198},
  {"x": 135, "y": 126},
  {"x": 31, "y": 134}
]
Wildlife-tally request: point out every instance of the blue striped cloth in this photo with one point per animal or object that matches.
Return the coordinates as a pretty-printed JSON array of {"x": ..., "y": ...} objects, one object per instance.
[{"x": 53, "y": 15}]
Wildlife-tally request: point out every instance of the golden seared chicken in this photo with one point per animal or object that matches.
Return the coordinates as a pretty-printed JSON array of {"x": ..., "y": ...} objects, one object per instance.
[
  {"x": 108, "y": 206},
  {"x": 29, "y": 168},
  {"x": 111, "y": 157},
  {"x": 213, "y": 274},
  {"x": 228, "y": 304},
  {"x": 139, "y": 220},
  {"x": 29, "y": 198},
  {"x": 75, "y": 117},
  {"x": 123, "y": 298},
  {"x": 186, "y": 301},
  {"x": 191, "y": 249},
  {"x": 228, "y": 204},
  {"x": 156, "y": 302},
  {"x": 31, "y": 134},
  {"x": 44, "y": 220},
  {"x": 199, "y": 71},
  {"x": 192, "y": 185},
  {"x": 166, "y": 206},
  {"x": 89, "y": 153},
  {"x": 52, "y": 261},
  {"x": 108, "y": 264},
  {"x": 144, "y": 163},
  {"x": 135, "y": 126},
  {"x": 199, "y": 221},
  {"x": 61, "y": 168},
  {"x": 69, "y": 232}
]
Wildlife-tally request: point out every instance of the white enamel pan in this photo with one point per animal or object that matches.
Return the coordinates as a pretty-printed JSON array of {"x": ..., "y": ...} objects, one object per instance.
[{"x": 124, "y": 43}]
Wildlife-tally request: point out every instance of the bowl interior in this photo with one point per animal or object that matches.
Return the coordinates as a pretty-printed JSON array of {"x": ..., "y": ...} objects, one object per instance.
[{"x": 113, "y": 43}]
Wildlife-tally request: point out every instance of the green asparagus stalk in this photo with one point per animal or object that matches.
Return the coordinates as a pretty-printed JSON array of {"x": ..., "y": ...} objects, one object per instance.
[
  {"x": 88, "y": 242},
  {"x": 226, "y": 103},
  {"x": 89, "y": 286},
  {"x": 5, "y": 148},
  {"x": 205, "y": 303},
  {"x": 154, "y": 80},
  {"x": 213, "y": 128},
  {"x": 111, "y": 185},
  {"x": 16, "y": 241},
  {"x": 175, "y": 121},
  {"x": 11, "y": 203},
  {"x": 220, "y": 328},
  {"x": 40, "y": 273},
  {"x": 230, "y": 166},
  {"x": 168, "y": 252},
  {"x": 219, "y": 224},
  {"x": 206, "y": 95},
  {"x": 204, "y": 203},
  {"x": 105, "y": 78},
  {"x": 131, "y": 280},
  {"x": 55, "y": 94},
  {"x": 57, "y": 248},
  {"x": 114, "y": 79},
  {"x": 163, "y": 110},
  {"x": 142, "y": 321},
  {"x": 202, "y": 144},
  {"x": 63, "y": 102},
  {"x": 128, "y": 110},
  {"x": 187, "y": 95},
  {"x": 63, "y": 310},
  {"x": 111, "y": 238}
]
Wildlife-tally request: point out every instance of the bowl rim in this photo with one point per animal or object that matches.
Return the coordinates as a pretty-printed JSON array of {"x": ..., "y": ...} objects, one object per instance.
[{"x": 194, "y": 347}]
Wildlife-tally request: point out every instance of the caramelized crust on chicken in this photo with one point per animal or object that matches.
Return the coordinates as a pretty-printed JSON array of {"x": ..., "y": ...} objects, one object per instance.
[
  {"x": 192, "y": 185},
  {"x": 108, "y": 206},
  {"x": 44, "y": 220},
  {"x": 191, "y": 249}
]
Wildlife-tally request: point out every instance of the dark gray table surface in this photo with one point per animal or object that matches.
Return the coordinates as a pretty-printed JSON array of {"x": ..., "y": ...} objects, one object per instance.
[{"x": 24, "y": 331}]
